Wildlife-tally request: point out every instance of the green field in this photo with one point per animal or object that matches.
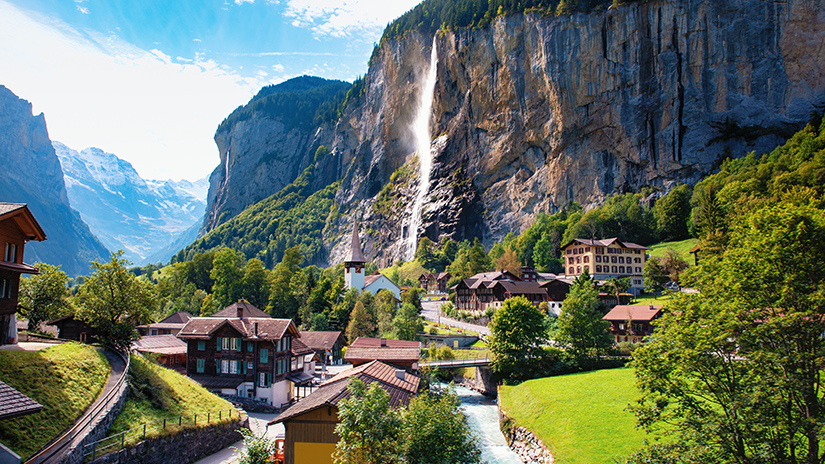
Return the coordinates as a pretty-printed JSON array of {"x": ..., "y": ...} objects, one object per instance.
[
  {"x": 65, "y": 379},
  {"x": 652, "y": 299},
  {"x": 682, "y": 247},
  {"x": 158, "y": 393},
  {"x": 580, "y": 417}
]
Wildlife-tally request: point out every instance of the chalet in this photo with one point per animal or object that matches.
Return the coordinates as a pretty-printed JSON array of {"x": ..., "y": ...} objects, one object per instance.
[
  {"x": 326, "y": 344},
  {"x": 171, "y": 325},
  {"x": 434, "y": 283},
  {"x": 354, "y": 271},
  {"x": 169, "y": 350},
  {"x": 606, "y": 259},
  {"x": 490, "y": 289},
  {"x": 70, "y": 328},
  {"x": 243, "y": 351},
  {"x": 631, "y": 323},
  {"x": 695, "y": 252},
  {"x": 17, "y": 227},
  {"x": 310, "y": 424},
  {"x": 557, "y": 289},
  {"x": 400, "y": 353}
]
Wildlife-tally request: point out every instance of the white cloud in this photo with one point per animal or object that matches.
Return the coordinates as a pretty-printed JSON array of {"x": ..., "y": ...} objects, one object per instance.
[
  {"x": 241, "y": 2},
  {"x": 347, "y": 18},
  {"x": 157, "y": 112}
]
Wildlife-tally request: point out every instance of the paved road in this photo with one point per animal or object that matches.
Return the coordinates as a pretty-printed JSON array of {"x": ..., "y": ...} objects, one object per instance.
[
  {"x": 430, "y": 312},
  {"x": 257, "y": 423}
]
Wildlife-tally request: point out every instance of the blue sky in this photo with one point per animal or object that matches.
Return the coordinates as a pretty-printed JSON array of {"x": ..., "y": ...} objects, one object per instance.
[{"x": 150, "y": 80}]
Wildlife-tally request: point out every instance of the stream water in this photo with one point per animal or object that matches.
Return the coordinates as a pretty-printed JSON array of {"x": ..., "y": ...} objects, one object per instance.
[{"x": 482, "y": 416}]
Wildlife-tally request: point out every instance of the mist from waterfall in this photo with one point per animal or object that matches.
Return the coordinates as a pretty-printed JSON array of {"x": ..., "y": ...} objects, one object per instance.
[{"x": 421, "y": 131}]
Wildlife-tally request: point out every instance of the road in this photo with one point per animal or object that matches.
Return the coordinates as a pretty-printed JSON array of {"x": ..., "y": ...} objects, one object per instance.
[
  {"x": 257, "y": 423},
  {"x": 430, "y": 312}
]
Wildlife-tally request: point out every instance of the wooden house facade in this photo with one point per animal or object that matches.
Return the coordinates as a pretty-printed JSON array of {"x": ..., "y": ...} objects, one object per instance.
[
  {"x": 632, "y": 323},
  {"x": 17, "y": 227}
]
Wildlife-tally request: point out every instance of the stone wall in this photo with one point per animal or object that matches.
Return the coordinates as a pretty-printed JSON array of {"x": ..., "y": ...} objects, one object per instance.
[
  {"x": 182, "y": 448},
  {"x": 528, "y": 447}
]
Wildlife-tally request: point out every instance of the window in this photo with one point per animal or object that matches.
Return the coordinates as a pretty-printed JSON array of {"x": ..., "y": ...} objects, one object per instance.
[
  {"x": 201, "y": 346},
  {"x": 233, "y": 344},
  {"x": 11, "y": 252},
  {"x": 201, "y": 366},
  {"x": 613, "y": 260},
  {"x": 226, "y": 343},
  {"x": 638, "y": 270},
  {"x": 4, "y": 287},
  {"x": 614, "y": 269},
  {"x": 250, "y": 366},
  {"x": 294, "y": 364},
  {"x": 578, "y": 259},
  {"x": 264, "y": 355},
  {"x": 225, "y": 366},
  {"x": 598, "y": 259},
  {"x": 621, "y": 259},
  {"x": 598, "y": 268},
  {"x": 570, "y": 271},
  {"x": 621, "y": 269},
  {"x": 578, "y": 269},
  {"x": 621, "y": 326},
  {"x": 249, "y": 347},
  {"x": 262, "y": 380},
  {"x": 587, "y": 259},
  {"x": 233, "y": 367},
  {"x": 300, "y": 362}
]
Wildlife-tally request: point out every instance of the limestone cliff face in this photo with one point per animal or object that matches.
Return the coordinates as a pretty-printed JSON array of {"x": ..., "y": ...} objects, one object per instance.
[
  {"x": 259, "y": 156},
  {"x": 32, "y": 175},
  {"x": 534, "y": 112}
]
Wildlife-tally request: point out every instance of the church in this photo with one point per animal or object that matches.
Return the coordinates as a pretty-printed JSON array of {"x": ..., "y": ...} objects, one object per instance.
[{"x": 354, "y": 271}]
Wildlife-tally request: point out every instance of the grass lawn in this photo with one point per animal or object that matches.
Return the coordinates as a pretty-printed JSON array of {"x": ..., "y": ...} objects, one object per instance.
[
  {"x": 652, "y": 299},
  {"x": 409, "y": 270},
  {"x": 158, "y": 393},
  {"x": 66, "y": 379},
  {"x": 580, "y": 417},
  {"x": 682, "y": 247}
]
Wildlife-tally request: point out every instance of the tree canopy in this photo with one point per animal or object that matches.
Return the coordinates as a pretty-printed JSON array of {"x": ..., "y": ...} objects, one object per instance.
[{"x": 517, "y": 331}]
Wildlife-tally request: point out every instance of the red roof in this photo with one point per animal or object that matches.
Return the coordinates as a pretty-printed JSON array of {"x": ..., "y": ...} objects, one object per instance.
[
  {"x": 604, "y": 243},
  {"x": 366, "y": 341},
  {"x": 334, "y": 390},
  {"x": 318, "y": 340},
  {"x": 641, "y": 313},
  {"x": 247, "y": 309},
  {"x": 13, "y": 403},
  {"x": 251, "y": 328}
]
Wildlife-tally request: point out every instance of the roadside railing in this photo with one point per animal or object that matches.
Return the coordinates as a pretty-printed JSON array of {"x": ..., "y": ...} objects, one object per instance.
[
  {"x": 119, "y": 441},
  {"x": 479, "y": 361},
  {"x": 58, "y": 447}
]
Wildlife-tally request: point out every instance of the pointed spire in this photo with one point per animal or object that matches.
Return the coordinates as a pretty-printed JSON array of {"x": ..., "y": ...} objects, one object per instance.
[{"x": 355, "y": 254}]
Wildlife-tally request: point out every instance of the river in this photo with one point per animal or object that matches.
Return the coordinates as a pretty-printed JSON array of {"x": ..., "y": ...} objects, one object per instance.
[{"x": 482, "y": 416}]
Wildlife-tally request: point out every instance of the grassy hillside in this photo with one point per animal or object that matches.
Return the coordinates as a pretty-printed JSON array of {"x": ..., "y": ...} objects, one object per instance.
[
  {"x": 158, "y": 393},
  {"x": 580, "y": 417},
  {"x": 683, "y": 247},
  {"x": 65, "y": 379}
]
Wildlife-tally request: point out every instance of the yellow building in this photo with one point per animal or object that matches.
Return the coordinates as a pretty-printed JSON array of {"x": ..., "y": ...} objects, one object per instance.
[{"x": 606, "y": 259}]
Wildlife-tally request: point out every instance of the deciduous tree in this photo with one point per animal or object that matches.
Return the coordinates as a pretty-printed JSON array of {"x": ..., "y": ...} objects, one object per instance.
[
  {"x": 580, "y": 325},
  {"x": 368, "y": 427},
  {"x": 43, "y": 296},
  {"x": 517, "y": 332},
  {"x": 435, "y": 431}
]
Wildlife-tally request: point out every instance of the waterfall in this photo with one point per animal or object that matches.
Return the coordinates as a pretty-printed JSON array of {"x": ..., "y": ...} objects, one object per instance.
[{"x": 421, "y": 131}]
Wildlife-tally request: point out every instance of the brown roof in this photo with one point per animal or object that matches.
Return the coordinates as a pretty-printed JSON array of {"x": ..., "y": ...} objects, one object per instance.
[
  {"x": 13, "y": 403},
  {"x": 180, "y": 317},
  {"x": 520, "y": 288},
  {"x": 248, "y": 310},
  {"x": 317, "y": 340},
  {"x": 355, "y": 253},
  {"x": 161, "y": 344},
  {"x": 24, "y": 219},
  {"x": 604, "y": 243},
  {"x": 209, "y": 382},
  {"x": 367, "y": 341},
  {"x": 16, "y": 267},
  {"x": 641, "y": 313},
  {"x": 382, "y": 353},
  {"x": 334, "y": 390},
  {"x": 249, "y": 328},
  {"x": 299, "y": 348}
]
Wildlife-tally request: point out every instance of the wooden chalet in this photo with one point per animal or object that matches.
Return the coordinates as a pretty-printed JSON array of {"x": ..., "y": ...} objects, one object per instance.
[
  {"x": 632, "y": 323},
  {"x": 169, "y": 350},
  {"x": 400, "y": 353},
  {"x": 243, "y": 351},
  {"x": 434, "y": 283},
  {"x": 310, "y": 423},
  {"x": 557, "y": 289},
  {"x": 17, "y": 227},
  {"x": 170, "y": 325},
  {"x": 490, "y": 289},
  {"x": 70, "y": 328},
  {"x": 326, "y": 344}
]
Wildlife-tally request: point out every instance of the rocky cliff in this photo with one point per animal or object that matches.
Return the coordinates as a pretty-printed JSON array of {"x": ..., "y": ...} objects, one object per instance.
[
  {"x": 535, "y": 111},
  {"x": 32, "y": 175}
]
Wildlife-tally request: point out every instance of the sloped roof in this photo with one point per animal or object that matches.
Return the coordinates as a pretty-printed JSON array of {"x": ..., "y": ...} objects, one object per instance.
[
  {"x": 640, "y": 313},
  {"x": 317, "y": 340},
  {"x": 248, "y": 310},
  {"x": 334, "y": 390},
  {"x": 378, "y": 342},
  {"x": 24, "y": 219},
  {"x": 520, "y": 288},
  {"x": 180, "y": 317},
  {"x": 18, "y": 267},
  {"x": 355, "y": 253},
  {"x": 495, "y": 275},
  {"x": 161, "y": 344},
  {"x": 249, "y": 327},
  {"x": 210, "y": 382},
  {"x": 383, "y": 353},
  {"x": 604, "y": 243},
  {"x": 299, "y": 348},
  {"x": 13, "y": 403}
]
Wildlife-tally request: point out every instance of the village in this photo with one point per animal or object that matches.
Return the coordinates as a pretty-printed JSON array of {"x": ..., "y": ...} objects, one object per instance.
[{"x": 261, "y": 363}]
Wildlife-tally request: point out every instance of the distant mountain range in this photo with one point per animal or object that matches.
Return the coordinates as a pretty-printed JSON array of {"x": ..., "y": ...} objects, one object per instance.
[
  {"x": 32, "y": 175},
  {"x": 141, "y": 217}
]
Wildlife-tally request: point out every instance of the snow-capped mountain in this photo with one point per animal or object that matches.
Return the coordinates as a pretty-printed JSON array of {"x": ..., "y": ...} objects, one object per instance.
[{"x": 125, "y": 211}]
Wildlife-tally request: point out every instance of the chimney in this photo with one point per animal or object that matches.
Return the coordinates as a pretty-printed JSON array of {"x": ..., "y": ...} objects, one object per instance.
[
  {"x": 240, "y": 311},
  {"x": 399, "y": 374},
  {"x": 383, "y": 342}
]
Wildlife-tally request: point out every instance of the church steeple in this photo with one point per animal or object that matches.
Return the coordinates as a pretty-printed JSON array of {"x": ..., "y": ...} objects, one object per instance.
[{"x": 354, "y": 265}]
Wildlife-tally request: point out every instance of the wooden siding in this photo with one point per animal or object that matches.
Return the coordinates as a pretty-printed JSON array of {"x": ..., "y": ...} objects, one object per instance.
[{"x": 316, "y": 426}]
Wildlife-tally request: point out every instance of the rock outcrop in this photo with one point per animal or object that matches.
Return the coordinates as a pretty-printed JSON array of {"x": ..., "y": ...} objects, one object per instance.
[
  {"x": 32, "y": 175},
  {"x": 536, "y": 111}
]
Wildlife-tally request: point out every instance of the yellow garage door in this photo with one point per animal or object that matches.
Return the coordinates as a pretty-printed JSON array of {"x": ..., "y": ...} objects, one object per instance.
[{"x": 314, "y": 453}]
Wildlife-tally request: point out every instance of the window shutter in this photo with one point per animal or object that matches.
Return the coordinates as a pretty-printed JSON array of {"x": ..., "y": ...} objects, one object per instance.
[
  {"x": 219, "y": 343},
  {"x": 217, "y": 366},
  {"x": 239, "y": 345},
  {"x": 242, "y": 368}
]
